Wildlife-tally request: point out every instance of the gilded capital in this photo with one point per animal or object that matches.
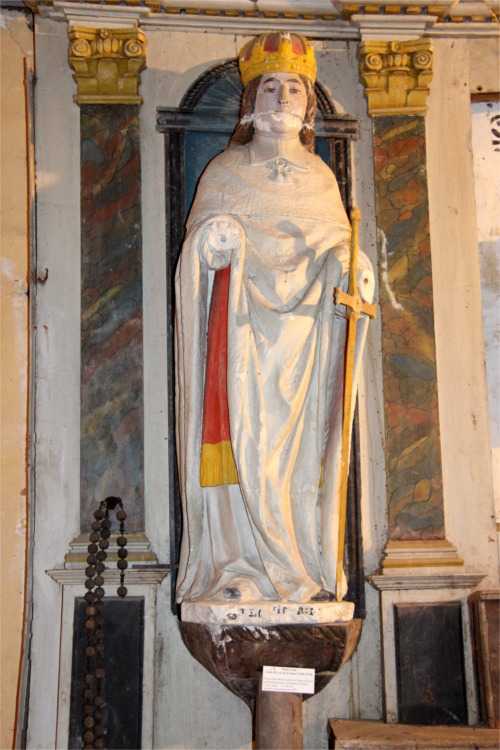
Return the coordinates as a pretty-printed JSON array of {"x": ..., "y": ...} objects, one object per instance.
[
  {"x": 107, "y": 64},
  {"x": 396, "y": 76}
]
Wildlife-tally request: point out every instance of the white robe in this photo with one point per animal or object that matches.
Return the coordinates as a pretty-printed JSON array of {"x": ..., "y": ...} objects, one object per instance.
[{"x": 273, "y": 536}]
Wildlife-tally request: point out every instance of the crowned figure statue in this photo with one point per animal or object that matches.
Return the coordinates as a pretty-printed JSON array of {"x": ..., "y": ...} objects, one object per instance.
[{"x": 260, "y": 348}]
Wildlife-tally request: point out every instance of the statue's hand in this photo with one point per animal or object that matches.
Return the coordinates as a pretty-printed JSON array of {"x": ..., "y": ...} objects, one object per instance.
[{"x": 219, "y": 239}]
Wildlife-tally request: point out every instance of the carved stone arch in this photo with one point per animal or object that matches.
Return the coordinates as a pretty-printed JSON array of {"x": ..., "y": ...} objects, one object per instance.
[{"x": 210, "y": 110}]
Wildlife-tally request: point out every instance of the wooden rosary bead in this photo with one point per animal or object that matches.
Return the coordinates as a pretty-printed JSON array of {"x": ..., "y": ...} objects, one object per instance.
[
  {"x": 121, "y": 541},
  {"x": 122, "y": 552}
]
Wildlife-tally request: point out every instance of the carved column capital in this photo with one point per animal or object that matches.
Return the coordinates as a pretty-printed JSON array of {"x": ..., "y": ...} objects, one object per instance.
[
  {"x": 107, "y": 64},
  {"x": 396, "y": 76}
]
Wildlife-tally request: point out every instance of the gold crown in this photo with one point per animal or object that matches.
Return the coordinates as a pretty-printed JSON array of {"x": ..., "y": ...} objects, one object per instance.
[{"x": 277, "y": 52}]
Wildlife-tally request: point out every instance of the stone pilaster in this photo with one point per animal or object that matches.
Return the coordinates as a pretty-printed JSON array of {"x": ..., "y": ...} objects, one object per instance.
[
  {"x": 396, "y": 76},
  {"x": 107, "y": 63}
]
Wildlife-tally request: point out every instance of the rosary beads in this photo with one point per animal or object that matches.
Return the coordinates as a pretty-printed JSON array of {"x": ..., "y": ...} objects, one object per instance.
[{"x": 94, "y": 707}]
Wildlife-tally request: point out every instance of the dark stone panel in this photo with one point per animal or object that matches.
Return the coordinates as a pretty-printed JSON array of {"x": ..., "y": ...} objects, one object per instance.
[
  {"x": 430, "y": 665},
  {"x": 112, "y": 412},
  {"x": 413, "y": 448},
  {"x": 123, "y": 662}
]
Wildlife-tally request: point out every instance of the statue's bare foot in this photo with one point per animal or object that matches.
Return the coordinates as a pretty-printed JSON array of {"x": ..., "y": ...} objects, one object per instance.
[
  {"x": 231, "y": 592},
  {"x": 323, "y": 596}
]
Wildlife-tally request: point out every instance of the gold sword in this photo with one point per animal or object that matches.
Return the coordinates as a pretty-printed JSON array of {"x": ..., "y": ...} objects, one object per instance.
[{"x": 355, "y": 307}]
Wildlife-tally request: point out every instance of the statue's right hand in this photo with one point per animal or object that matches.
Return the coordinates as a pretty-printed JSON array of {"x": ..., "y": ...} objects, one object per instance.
[
  {"x": 219, "y": 239},
  {"x": 223, "y": 236}
]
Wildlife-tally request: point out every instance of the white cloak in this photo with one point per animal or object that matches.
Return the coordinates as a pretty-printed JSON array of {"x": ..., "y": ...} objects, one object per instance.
[{"x": 273, "y": 536}]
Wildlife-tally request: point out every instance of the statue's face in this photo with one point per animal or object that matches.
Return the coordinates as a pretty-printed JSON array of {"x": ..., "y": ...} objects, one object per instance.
[{"x": 280, "y": 105}]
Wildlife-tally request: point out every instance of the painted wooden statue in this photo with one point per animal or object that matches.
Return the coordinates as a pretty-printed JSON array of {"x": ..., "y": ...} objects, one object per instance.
[{"x": 260, "y": 348}]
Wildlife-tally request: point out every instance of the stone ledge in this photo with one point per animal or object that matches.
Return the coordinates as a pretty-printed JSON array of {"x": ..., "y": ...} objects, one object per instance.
[
  {"x": 264, "y": 613},
  {"x": 363, "y": 735},
  {"x": 425, "y": 580},
  {"x": 418, "y": 554}
]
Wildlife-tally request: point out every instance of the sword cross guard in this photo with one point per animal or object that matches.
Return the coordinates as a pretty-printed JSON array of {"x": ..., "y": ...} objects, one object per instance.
[{"x": 352, "y": 299}]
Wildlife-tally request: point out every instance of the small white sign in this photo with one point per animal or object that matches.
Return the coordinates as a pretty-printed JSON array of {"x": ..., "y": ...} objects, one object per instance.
[{"x": 288, "y": 680}]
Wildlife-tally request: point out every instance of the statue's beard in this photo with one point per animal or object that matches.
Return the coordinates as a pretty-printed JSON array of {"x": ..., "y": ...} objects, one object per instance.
[{"x": 263, "y": 121}]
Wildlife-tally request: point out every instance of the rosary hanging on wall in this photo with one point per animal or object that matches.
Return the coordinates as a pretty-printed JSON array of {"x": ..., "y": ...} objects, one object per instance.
[{"x": 94, "y": 706}]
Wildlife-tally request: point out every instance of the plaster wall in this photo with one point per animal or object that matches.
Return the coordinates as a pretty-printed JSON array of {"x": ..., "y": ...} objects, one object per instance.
[
  {"x": 486, "y": 151},
  {"x": 192, "y": 709},
  {"x": 57, "y": 352},
  {"x": 16, "y": 46},
  {"x": 463, "y": 406}
]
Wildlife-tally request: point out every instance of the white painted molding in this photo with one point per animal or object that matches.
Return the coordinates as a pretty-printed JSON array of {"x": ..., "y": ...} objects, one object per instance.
[
  {"x": 310, "y": 7},
  {"x": 466, "y": 30},
  {"x": 92, "y": 16},
  {"x": 323, "y": 19},
  {"x": 423, "y": 581},
  {"x": 388, "y": 28},
  {"x": 139, "y": 576},
  {"x": 138, "y": 548}
]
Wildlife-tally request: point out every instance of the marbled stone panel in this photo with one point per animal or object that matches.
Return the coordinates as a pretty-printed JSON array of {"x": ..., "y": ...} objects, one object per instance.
[
  {"x": 413, "y": 453},
  {"x": 112, "y": 413}
]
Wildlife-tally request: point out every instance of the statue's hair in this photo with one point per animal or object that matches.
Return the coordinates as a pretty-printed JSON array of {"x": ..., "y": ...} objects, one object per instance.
[{"x": 245, "y": 130}]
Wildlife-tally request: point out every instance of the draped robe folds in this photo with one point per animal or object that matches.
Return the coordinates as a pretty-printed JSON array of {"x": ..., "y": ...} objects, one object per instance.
[{"x": 274, "y": 534}]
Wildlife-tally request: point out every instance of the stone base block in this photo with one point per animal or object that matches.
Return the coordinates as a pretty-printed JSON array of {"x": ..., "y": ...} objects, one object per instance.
[
  {"x": 364, "y": 735},
  {"x": 265, "y": 613}
]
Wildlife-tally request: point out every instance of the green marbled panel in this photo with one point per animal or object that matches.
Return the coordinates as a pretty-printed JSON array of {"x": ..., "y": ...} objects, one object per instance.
[
  {"x": 413, "y": 453},
  {"x": 112, "y": 403}
]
